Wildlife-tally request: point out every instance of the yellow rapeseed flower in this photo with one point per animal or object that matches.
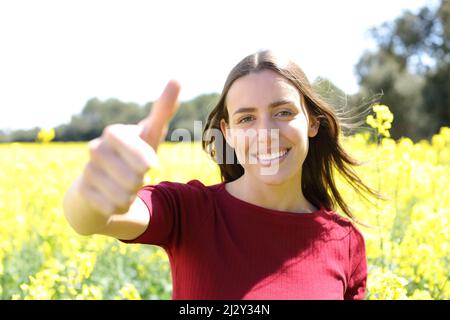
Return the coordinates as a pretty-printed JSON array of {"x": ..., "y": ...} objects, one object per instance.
[
  {"x": 407, "y": 252},
  {"x": 46, "y": 135},
  {"x": 382, "y": 121}
]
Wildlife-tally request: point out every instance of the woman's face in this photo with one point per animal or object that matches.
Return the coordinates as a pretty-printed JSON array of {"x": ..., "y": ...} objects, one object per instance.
[{"x": 268, "y": 126}]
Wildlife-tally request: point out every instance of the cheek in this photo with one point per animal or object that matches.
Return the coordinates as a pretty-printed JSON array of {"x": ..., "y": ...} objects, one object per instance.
[
  {"x": 297, "y": 137},
  {"x": 293, "y": 132},
  {"x": 299, "y": 124}
]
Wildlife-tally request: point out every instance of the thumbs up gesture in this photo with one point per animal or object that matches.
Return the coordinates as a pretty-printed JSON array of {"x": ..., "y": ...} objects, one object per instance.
[{"x": 121, "y": 156}]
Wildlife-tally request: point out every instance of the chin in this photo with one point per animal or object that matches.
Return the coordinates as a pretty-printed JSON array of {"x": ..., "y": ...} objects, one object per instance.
[
  {"x": 275, "y": 178},
  {"x": 276, "y": 174},
  {"x": 272, "y": 181}
]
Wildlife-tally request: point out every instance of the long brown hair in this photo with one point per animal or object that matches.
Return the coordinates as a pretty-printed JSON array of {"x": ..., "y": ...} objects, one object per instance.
[{"x": 325, "y": 150}]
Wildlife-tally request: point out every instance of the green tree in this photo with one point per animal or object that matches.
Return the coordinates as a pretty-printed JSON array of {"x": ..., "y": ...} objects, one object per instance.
[
  {"x": 95, "y": 116},
  {"x": 196, "y": 109},
  {"x": 411, "y": 68}
]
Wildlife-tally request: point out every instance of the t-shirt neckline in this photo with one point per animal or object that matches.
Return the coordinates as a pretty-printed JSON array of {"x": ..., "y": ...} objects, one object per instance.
[{"x": 254, "y": 207}]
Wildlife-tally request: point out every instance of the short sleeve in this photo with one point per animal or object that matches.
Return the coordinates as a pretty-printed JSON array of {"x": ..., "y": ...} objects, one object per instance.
[
  {"x": 356, "y": 288},
  {"x": 169, "y": 205},
  {"x": 164, "y": 206}
]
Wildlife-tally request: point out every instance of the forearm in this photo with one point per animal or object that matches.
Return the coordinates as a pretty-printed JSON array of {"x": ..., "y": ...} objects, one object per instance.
[{"x": 84, "y": 219}]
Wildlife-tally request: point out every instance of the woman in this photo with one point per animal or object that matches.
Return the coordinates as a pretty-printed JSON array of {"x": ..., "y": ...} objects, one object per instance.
[{"x": 268, "y": 231}]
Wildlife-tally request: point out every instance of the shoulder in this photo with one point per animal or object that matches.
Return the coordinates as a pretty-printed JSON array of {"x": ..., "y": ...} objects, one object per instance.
[
  {"x": 193, "y": 186},
  {"x": 344, "y": 227},
  {"x": 191, "y": 191}
]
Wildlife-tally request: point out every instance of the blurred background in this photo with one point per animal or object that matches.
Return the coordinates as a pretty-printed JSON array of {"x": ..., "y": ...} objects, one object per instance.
[
  {"x": 79, "y": 66},
  {"x": 70, "y": 68}
]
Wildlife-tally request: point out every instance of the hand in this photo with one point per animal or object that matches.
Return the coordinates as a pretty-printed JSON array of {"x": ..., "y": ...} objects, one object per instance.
[{"x": 122, "y": 155}]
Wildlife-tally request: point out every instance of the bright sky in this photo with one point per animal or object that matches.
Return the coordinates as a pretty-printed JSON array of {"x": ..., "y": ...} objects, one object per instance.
[{"x": 55, "y": 55}]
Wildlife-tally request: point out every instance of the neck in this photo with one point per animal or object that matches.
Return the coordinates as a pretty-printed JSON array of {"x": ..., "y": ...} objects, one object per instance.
[{"x": 281, "y": 197}]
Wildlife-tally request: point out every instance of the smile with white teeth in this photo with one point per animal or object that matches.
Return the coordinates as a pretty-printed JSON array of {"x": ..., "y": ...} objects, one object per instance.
[{"x": 272, "y": 156}]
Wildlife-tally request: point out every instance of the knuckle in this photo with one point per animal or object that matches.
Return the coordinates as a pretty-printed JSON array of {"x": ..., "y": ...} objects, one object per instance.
[
  {"x": 133, "y": 182},
  {"x": 140, "y": 168},
  {"x": 109, "y": 129},
  {"x": 117, "y": 209},
  {"x": 84, "y": 191},
  {"x": 89, "y": 170},
  {"x": 145, "y": 167},
  {"x": 110, "y": 209},
  {"x": 124, "y": 200},
  {"x": 94, "y": 147},
  {"x": 139, "y": 182},
  {"x": 146, "y": 162},
  {"x": 92, "y": 144},
  {"x": 112, "y": 130},
  {"x": 109, "y": 132},
  {"x": 143, "y": 171}
]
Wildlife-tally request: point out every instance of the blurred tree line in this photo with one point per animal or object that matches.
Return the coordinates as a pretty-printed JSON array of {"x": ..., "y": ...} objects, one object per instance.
[
  {"x": 411, "y": 68},
  {"x": 96, "y": 115},
  {"x": 409, "y": 71}
]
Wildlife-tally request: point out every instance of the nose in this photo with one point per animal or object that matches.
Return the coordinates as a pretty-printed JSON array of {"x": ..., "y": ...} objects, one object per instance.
[{"x": 268, "y": 134}]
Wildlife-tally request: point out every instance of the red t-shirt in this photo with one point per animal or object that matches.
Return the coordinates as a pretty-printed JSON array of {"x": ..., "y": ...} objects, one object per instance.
[{"x": 221, "y": 247}]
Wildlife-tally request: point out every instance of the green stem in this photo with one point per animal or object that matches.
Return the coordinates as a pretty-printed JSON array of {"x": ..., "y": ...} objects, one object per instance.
[{"x": 383, "y": 264}]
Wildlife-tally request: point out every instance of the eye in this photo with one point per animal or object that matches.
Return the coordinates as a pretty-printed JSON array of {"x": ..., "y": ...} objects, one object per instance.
[
  {"x": 284, "y": 113},
  {"x": 245, "y": 119}
]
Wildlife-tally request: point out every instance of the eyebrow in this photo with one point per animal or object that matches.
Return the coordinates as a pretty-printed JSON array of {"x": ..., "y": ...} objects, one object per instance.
[{"x": 270, "y": 106}]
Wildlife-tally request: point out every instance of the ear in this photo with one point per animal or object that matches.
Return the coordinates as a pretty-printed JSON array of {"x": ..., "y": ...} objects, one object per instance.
[
  {"x": 314, "y": 126},
  {"x": 313, "y": 123},
  {"x": 225, "y": 128}
]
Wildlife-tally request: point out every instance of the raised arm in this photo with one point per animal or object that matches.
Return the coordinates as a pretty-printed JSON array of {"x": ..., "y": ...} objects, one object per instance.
[{"x": 102, "y": 200}]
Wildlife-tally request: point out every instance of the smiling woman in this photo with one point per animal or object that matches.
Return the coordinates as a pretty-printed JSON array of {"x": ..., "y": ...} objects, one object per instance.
[
  {"x": 265, "y": 93},
  {"x": 284, "y": 149},
  {"x": 270, "y": 229}
]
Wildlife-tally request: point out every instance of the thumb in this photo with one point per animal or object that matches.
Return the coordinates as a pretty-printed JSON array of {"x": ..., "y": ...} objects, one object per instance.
[{"x": 154, "y": 127}]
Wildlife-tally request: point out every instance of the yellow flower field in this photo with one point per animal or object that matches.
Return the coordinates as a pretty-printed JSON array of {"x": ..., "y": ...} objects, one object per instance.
[{"x": 41, "y": 257}]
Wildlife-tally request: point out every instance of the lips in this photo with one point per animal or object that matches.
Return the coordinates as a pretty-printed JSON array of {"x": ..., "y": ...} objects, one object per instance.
[
  {"x": 271, "y": 156},
  {"x": 267, "y": 159}
]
